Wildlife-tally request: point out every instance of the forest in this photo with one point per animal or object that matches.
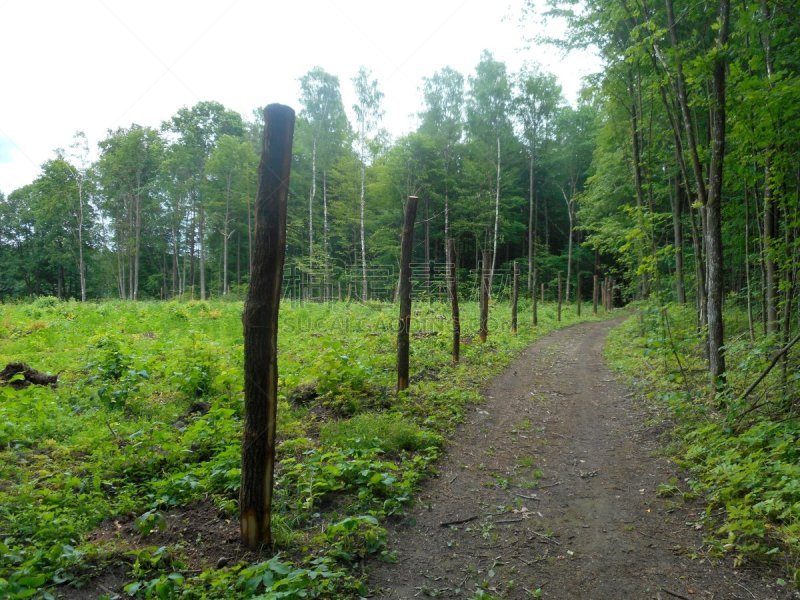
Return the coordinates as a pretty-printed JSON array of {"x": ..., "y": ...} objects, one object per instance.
[{"x": 676, "y": 175}]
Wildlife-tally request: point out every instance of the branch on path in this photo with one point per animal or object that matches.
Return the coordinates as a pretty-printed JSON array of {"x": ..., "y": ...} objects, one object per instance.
[{"x": 458, "y": 521}]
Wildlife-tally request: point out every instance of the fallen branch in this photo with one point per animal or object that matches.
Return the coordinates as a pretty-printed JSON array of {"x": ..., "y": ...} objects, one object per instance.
[
  {"x": 674, "y": 594},
  {"x": 549, "y": 485},
  {"x": 771, "y": 366},
  {"x": 458, "y": 521},
  {"x": 509, "y": 521},
  {"x": 528, "y": 497},
  {"x": 545, "y": 537}
]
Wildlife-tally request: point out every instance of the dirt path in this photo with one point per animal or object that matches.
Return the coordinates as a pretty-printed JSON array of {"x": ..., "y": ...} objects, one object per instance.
[{"x": 552, "y": 484}]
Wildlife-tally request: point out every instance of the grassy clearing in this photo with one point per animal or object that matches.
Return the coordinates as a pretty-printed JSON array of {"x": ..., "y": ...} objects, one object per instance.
[
  {"x": 743, "y": 455},
  {"x": 147, "y": 420}
]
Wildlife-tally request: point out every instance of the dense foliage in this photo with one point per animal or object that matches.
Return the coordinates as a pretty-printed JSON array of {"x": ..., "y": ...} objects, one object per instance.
[{"x": 167, "y": 211}]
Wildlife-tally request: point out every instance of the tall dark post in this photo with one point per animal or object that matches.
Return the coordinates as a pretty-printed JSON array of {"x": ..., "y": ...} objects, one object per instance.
[
  {"x": 453, "y": 287},
  {"x": 560, "y": 296},
  {"x": 578, "y": 293},
  {"x": 514, "y": 298},
  {"x": 404, "y": 323},
  {"x": 534, "y": 299},
  {"x": 486, "y": 270},
  {"x": 260, "y": 320},
  {"x": 595, "y": 292}
]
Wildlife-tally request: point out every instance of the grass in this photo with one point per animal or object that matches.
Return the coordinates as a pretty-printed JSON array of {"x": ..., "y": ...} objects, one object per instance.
[{"x": 148, "y": 414}]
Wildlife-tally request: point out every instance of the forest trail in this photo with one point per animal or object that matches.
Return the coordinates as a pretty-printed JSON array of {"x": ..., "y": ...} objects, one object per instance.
[{"x": 552, "y": 484}]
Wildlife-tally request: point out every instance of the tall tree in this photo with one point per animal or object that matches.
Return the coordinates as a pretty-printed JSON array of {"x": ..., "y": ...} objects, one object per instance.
[
  {"x": 196, "y": 131},
  {"x": 128, "y": 167},
  {"x": 328, "y": 129},
  {"x": 536, "y": 102},
  {"x": 489, "y": 122},
  {"x": 442, "y": 119},
  {"x": 231, "y": 171},
  {"x": 368, "y": 113}
]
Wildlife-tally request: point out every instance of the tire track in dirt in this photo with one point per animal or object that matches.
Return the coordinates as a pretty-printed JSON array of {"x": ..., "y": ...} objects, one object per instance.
[{"x": 551, "y": 484}]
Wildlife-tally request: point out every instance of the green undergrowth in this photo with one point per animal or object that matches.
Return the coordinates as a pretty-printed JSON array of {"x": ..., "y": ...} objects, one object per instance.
[
  {"x": 743, "y": 454},
  {"x": 147, "y": 418}
]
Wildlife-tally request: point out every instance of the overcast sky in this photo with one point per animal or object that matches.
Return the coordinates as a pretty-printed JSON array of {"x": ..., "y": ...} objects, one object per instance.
[{"x": 94, "y": 65}]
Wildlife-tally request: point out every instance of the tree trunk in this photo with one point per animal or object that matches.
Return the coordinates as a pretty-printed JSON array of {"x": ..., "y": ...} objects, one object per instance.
[
  {"x": 531, "y": 228},
  {"x": 453, "y": 287},
  {"x": 404, "y": 323},
  {"x": 534, "y": 299},
  {"x": 677, "y": 239},
  {"x": 514, "y": 298},
  {"x": 486, "y": 281},
  {"x": 560, "y": 297},
  {"x": 81, "y": 263},
  {"x": 496, "y": 217},
  {"x": 769, "y": 239},
  {"x": 714, "y": 250},
  {"x": 748, "y": 282},
  {"x": 225, "y": 236},
  {"x": 137, "y": 246},
  {"x": 261, "y": 329},
  {"x": 201, "y": 233},
  {"x": 311, "y": 196},
  {"x": 364, "y": 289},
  {"x": 568, "y": 202}
]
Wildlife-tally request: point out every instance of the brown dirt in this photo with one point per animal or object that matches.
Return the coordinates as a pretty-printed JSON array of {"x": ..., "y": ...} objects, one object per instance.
[
  {"x": 552, "y": 484},
  {"x": 197, "y": 535}
]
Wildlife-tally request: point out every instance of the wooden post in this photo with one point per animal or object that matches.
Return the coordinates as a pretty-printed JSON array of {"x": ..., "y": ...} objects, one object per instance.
[
  {"x": 534, "y": 299},
  {"x": 594, "y": 294},
  {"x": 486, "y": 268},
  {"x": 514, "y": 298},
  {"x": 560, "y": 294},
  {"x": 542, "y": 295},
  {"x": 453, "y": 287},
  {"x": 578, "y": 293},
  {"x": 404, "y": 323},
  {"x": 260, "y": 321}
]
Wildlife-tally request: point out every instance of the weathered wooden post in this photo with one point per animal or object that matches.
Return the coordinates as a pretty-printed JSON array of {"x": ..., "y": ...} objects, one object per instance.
[
  {"x": 578, "y": 293},
  {"x": 404, "y": 323},
  {"x": 560, "y": 296},
  {"x": 595, "y": 291},
  {"x": 534, "y": 300},
  {"x": 260, "y": 321},
  {"x": 453, "y": 287},
  {"x": 486, "y": 268},
  {"x": 514, "y": 298}
]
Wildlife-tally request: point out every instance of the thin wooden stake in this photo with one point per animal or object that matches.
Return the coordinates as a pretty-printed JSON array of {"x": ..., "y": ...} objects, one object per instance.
[
  {"x": 514, "y": 298},
  {"x": 485, "y": 276},
  {"x": 404, "y": 323},
  {"x": 453, "y": 288},
  {"x": 260, "y": 321}
]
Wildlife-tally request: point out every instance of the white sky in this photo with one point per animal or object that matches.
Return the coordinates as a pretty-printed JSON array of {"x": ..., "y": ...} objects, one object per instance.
[{"x": 95, "y": 65}]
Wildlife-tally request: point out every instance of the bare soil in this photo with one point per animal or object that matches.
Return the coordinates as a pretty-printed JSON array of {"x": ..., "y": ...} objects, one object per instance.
[{"x": 551, "y": 488}]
